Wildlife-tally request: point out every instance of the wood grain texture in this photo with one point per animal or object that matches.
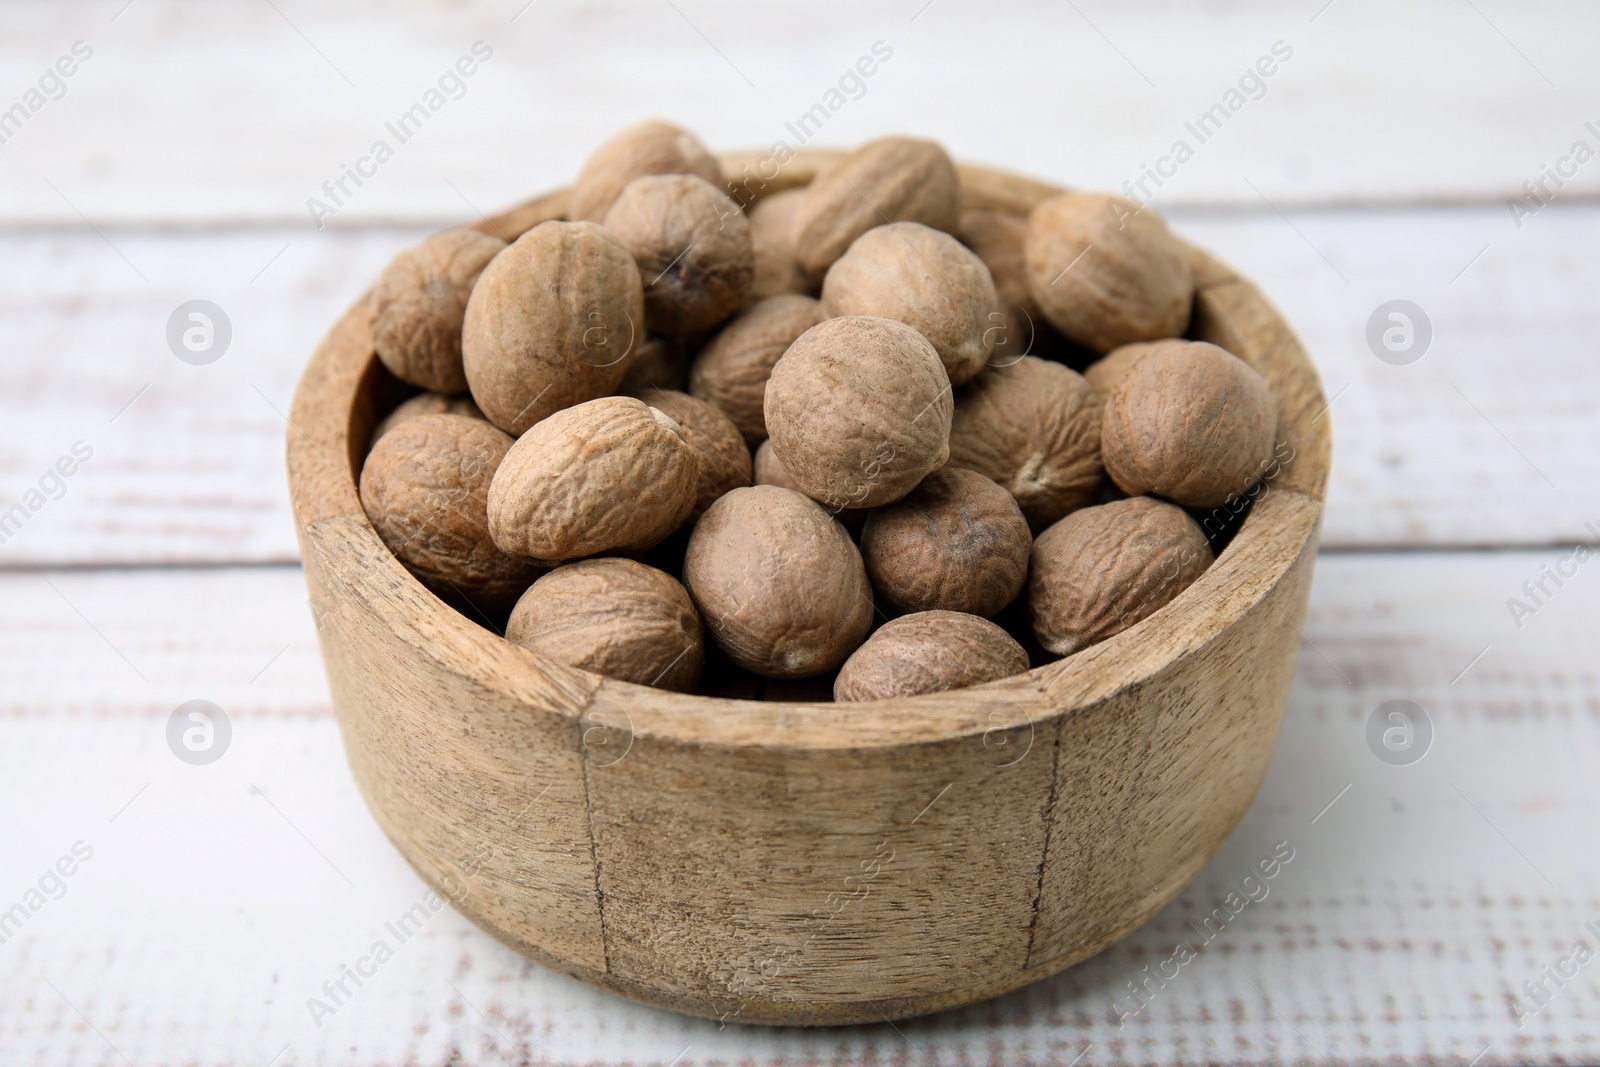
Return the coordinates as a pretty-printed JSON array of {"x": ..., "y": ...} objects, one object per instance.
[{"x": 775, "y": 862}]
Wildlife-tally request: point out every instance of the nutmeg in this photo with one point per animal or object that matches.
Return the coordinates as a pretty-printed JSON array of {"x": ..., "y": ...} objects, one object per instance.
[
  {"x": 657, "y": 363},
  {"x": 651, "y": 147},
  {"x": 608, "y": 474},
  {"x": 418, "y": 305},
  {"x": 779, "y": 584},
  {"x": 1102, "y": 569},
  {"x": 929, "y": 652},
  {"x": 1103, "y": 373},
  {"x": 552, "y": 322},
  {"x": 1017, "y": 327},
  {"x": 426, "y": 404},
  {"x": 772, "y": 236},
  {"x": 859, "y": 411},
  {"x": 731, "y": 372},
  {"x": 692, "y": 245},
  {"x": 725, "y": 462},
  {"x": 1190, "y": 422},
  {"x": 1106, "y": 272},
  {"x": 926, "y": 279},
  {"x": 615, "y": 617}
]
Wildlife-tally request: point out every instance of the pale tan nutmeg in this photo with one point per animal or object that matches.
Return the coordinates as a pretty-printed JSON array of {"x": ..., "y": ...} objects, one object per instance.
[
  {"x": 692, "y": 245},
  {"x": 1033, "y": 427},
  {"x": 731, "y": 371},
  {"x": 1190, "y": 422},
  {"x": 425, "y": 488},
  {"x": 552, "y": 322},
  {"x": 779, "y": 584},
  {"x": 892, "y": 179},
  {"x": 859, "y": 411},
  {"x": 651, "y": 147},
  {"x": 1106, "y": 272},
  {"x": 418, "y": 305},
  {"x": 1103, "y": 373},
  {"x": 926, "y": 279},
  {"x": 725, "y": 462},
  {"x": 957, "y": 542},
  {"x": 1102, "y": 569},
  {"x": 929, "y": 652},
  {"x": 657, "y": 363},
  {"x": 772, "y": 236},
  {"x": 608, "y": 474},
  {"x": 615, "y": 617},
  {"x": 1017, "y": 327},
  {"x": 426, "y": 404},
  {"x": 769, "y": 471}
]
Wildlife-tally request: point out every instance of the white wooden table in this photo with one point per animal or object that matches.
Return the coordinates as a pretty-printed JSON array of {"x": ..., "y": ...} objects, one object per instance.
[{"x": 1430, "y": 912}]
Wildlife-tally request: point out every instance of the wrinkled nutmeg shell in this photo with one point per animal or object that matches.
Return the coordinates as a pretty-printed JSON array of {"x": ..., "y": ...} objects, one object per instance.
[
  {"x": 425, "y": 488},
  {"x": 731, "y": 372},
  {"x": 1102, "y": 569},
  {"x": 692, "y": 245},
  {"x": 1033, "y": 427},
  {"x": 1103, "y": 373},
  {"x": 608, "y": 474},
  {"x": 957, "y": 542},
  {"x": 1190, "y": 422},
  {"x": 725, "y": 462},
  {"x": 859, "y": 411},
  {"x": 773, "y": 222},
  {"x": 418, "y": 305},
  {"x": 651, "y": 147},
  {"x": 926, "y": 279},
  {"x": 929, "y": 652},
  {"x": 893, "y": 179},
  {"x": 779, "y": 584},
  {"x": 552, "y": 322},
  {"x": 614, "y": 617},
  {"x": 1106, "y": 272},
  {"x": 426, "y": 404}
]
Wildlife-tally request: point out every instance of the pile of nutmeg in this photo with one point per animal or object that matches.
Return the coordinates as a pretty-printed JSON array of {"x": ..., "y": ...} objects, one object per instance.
[{"x": 837, "y": 427}]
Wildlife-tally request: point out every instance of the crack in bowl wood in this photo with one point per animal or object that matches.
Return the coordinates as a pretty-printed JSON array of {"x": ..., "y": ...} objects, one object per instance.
[{"x": 811, "y": 864}]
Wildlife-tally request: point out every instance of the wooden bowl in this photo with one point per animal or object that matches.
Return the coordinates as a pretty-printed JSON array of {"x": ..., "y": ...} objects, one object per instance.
[{"x": 810, "y": 863}]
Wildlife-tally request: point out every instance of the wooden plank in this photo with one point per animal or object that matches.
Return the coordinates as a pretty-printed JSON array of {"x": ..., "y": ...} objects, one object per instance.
[
  {"x": 1435, "y": 100},
  {"x": 216, "y": 903}
]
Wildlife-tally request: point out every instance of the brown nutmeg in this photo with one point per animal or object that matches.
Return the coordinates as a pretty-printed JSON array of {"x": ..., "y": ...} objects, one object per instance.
[
  {"x": 929, "y": 652},
  {"x": 426, "y": 404},
  {"x": 1017, "y": 327},
  {"x": 651, "y": 147},
  {"x": 725, "y": 462},
  {"x": 892, "y": 179},
  {"x": 779, "y": 584},
  {"x": 692, "y": 245},
  {"x": 859, "y": 411},
  {"x": 926, "y": 279},
  {"x": 607, "y": 474},
  {"x": 552, "y": 322},
  {"x": 1106, "y": 272},
  {"x": 615, "y": 617},
  {"x": 769, "y": 471},
  {"x": 1103, "y": 373},
  {"x": 772, "y": 236},
  {"x": 1190, "y": 422},
  {"x": 1102, "y": 569},
  {"x": 957, "y": 542},
  {"x": 418, "y": 305},
  {"x": 1033, "y": 427},
  {"x": 731, "y": 372},
  {"x": 425, "y": 488},
  {"x": 657, "y": 363}
]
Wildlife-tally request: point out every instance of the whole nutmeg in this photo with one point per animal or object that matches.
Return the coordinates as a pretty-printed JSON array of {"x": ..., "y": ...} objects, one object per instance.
[
  {"x": 651, "y": 147},
  {"x": 769, "y": 471},
  {"x": 1106, "y": 272},
  {"x": 426, "y": 404},
  {"x": 859, "y": 411},
  {"x": 1103, "y": 373},
  {"x": 1100, "y": 570},
  {"x": 731, "y": 371},
  {"x": 929, "y": 652},
  {"x": 779, "y": 584},
  {"x": 425, "y": 488},
  {"x": 772, "y": 235},
  {"x": 552, "y": 322},
  {"x": 1190, "y": 422},
  {"x": 893, "y": 179},
  {"x": 657, "y": 363},
  {"x": 692, "y": 245},
  {"x": 418, "y": 303},
  {"x": 924, "y": 278},
  {"x": 608, "y": 474},
  {"x": 615, "y": 617},
  {"x": 1017, "y": 327},
  {"x": 1033, "y": 427},
  {"x": 957, "y": 542},
  {"x": 725, "y": 462}
]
